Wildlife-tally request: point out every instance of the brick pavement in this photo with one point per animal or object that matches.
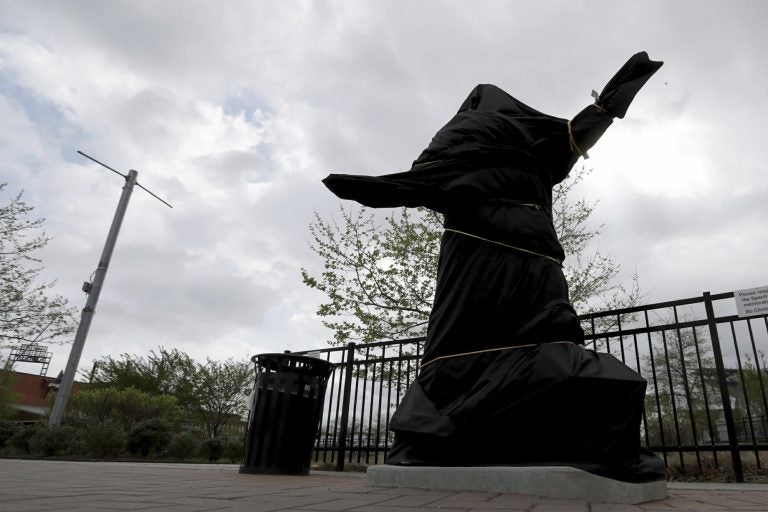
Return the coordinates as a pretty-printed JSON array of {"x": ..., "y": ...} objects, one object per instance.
[{"x": 36, "y": 485}]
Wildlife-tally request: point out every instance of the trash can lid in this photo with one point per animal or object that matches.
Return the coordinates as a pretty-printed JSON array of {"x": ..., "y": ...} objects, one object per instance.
[{"x": 279, "y": 362}]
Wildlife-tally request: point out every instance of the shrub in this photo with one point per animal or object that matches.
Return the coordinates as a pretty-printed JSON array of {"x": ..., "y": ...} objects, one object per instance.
[
  {"x": 212, "y": 449},
  {"x": 233, "y": 450},
  {"x": 7, "y": 429},
  {"x": 54, "y": 440},
  {"x": 148, "y": 437},
  {"x": 19, "y": 441},
  {"x": 183, "y": 445},
  {"x": 125, "y": 407},
  {"x": 105, "y": 439}
]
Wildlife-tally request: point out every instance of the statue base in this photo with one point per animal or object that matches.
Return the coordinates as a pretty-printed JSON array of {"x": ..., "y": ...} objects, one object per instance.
[{"x": 546, "y": 481}]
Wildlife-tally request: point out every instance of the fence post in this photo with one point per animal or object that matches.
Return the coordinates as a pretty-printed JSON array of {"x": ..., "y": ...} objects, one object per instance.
[
  {"x": 348, "y": 369},
  {"x": 726, "y": 397}
]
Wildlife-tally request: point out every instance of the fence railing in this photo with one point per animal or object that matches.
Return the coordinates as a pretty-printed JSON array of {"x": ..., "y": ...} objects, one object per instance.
[{"x": 706, "y": 400}]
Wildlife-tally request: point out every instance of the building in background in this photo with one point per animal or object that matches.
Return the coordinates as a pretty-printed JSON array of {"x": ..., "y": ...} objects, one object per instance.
[{"x": 32, "y": 396}]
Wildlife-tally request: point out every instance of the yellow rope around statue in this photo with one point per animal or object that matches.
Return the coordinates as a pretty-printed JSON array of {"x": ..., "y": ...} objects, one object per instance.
[
  {"x": 495, "y": 350},
  {"x": 575, "y": 147},
  {"x": 505, "y": 245}
]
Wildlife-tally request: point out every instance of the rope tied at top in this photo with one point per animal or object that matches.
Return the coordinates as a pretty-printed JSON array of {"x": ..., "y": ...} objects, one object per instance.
[{"x": 572, "y": 142}]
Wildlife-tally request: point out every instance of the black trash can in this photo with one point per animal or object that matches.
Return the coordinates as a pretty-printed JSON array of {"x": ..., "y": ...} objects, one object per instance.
[{"x": 285, "y": 413}]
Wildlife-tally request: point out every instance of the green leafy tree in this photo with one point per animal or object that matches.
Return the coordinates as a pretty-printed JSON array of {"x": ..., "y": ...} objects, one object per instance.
[
  {"x": 211, "y": 394},
  {"x": 379, "y": 277},
  {"x": 221, "y": 389},
  {"x": 592, "y": 276},
  {"x": 379, "y": 280},
  {"x": 165, "y": 372},
  {"x": 751, "y": 396},
  {"x": 28, "y": 310},
  {"x": 683, "y": 387}
]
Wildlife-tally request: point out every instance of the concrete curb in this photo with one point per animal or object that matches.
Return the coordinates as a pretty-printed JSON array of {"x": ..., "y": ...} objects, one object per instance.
[{"x": 547, "y": 481}]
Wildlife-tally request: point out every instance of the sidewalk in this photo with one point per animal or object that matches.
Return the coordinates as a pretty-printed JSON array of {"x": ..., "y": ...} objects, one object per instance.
[{"x": 31, "y": 485}]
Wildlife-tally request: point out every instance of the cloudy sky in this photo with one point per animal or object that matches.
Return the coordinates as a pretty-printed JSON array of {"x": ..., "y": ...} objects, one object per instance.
[{"x": 234, "y": 111}]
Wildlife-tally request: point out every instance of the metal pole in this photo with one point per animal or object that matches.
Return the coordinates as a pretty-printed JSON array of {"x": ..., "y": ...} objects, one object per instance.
[
  {"x": 65, "y": 387},
  {"x": 342, "y": 439},
  {"x": 733, "y": 441}
]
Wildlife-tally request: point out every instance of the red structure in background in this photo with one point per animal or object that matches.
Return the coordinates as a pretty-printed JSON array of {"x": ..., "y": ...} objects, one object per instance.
[{"x": 34, "y": 395}]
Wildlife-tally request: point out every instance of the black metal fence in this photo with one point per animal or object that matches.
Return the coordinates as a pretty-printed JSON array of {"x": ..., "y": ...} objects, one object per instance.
[{"x": 706, "y": 367}]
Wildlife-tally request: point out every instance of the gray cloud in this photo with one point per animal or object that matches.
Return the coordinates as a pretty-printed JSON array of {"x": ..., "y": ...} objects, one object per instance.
[{"x": 234, "y": 113}]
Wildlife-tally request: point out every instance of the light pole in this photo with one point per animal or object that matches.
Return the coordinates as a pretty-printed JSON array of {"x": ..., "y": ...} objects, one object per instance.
[{"x": 93, "y": 290}]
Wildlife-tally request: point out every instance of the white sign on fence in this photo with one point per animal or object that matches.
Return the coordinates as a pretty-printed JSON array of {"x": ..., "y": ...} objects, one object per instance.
[{"x": 753, "y": 301}]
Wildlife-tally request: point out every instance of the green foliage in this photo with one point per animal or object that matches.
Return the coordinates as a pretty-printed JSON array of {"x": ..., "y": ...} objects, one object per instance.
[
  {"x": 686, "y": 405},
  {"x": 28, "y": 312},
  {"x": 21, "y": 439},
  {"x": 55, "y": 440},
  {"x": 212, "y": 449},
  {"x": 683, "y": 364},
  {"x": 217, "y": 448},
  {"x": 751, "y": 397},
  {"x": 682, "y": 369},
  {"x": 233, "y": 450},
  {"x": 210, "y": 394},
  {"x": 221, "y": 389},
  {"x": 379, "y": 278},
  {"x": 591, "y": 276},
  {"x": 104, "y": 439},
  {"x": 182, "y": 446},
  {"x": 123, "y": 407},
  {"x": 114, "y": 420},
  {"x": 148, "y": 437},
  {"x": 165, "y": 372},
  {"x": 7, "y": 429},
  {"x": 136, "y": 407},
  {"x": 111, "y": 423}
]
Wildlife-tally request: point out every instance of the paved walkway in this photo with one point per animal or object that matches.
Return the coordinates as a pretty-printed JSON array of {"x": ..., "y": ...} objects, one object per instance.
[{"x": 30, "y": 485}]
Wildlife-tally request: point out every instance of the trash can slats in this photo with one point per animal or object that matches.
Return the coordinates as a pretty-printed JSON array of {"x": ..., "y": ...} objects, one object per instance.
[{"x": 285, "y": 414}]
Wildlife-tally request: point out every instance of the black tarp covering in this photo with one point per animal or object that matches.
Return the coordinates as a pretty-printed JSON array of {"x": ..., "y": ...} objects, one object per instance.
[{"x": 484, "y": 395}]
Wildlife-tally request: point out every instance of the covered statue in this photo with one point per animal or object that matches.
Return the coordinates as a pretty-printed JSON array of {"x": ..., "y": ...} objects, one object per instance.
[{"x": 505, "y": 378}]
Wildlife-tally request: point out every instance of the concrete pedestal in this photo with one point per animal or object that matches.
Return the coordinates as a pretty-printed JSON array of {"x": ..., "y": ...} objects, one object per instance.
[{"x": 547, "y": 481}]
